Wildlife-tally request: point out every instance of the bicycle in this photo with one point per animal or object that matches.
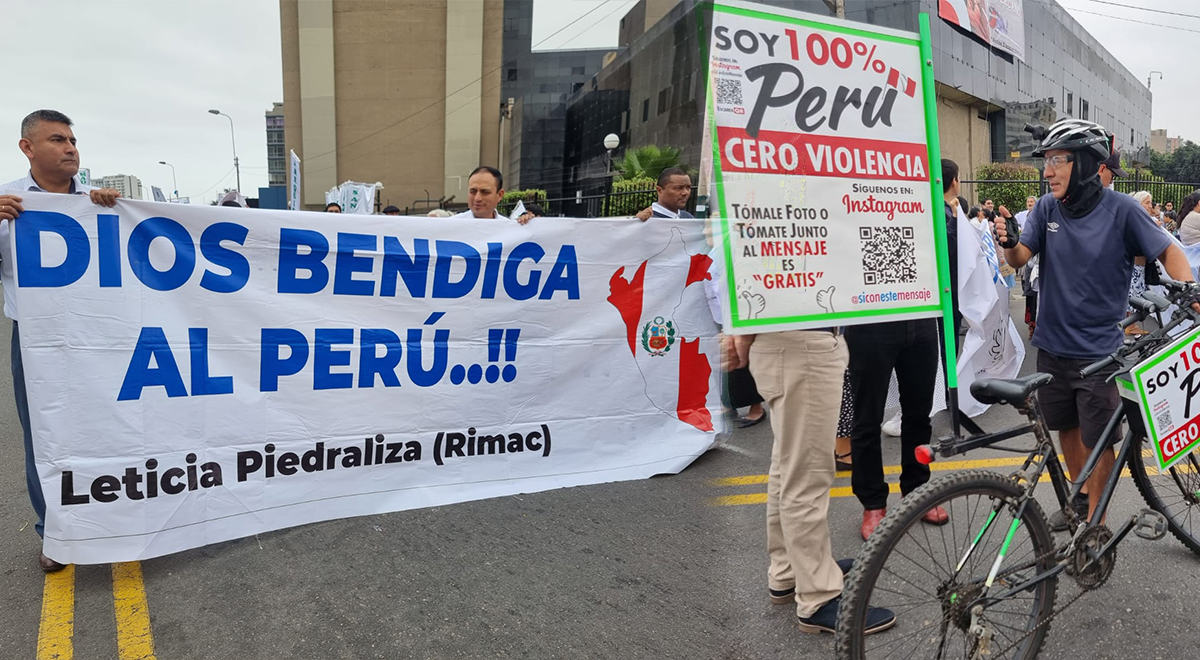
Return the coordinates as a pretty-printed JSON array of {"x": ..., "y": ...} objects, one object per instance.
[{"x": 994, "y": 596}]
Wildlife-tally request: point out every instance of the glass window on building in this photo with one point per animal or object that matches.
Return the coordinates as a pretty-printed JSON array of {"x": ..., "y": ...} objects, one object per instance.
[
  {"x": 646, "y": 110},
  {"x": 512, "y": 74},
  {"x": 662, "y": 100},
  {"x": 1083, "y": 109},
  {"x": 1070, "y": 103}
]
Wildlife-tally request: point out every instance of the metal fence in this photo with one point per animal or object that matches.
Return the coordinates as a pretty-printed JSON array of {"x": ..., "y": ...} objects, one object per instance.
[
  {"x": 600, "y": 205},
  {"x": 1161, "y": 191},
  {"x": 630, "y": 202}
]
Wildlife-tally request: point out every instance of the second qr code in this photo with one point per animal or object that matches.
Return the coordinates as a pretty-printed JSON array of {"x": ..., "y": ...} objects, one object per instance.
[
  {"x": 729, "y": 91},
  {"x": 889, "y": 255}
]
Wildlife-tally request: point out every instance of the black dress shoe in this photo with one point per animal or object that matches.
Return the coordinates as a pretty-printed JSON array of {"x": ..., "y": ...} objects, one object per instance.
[
  {"x": 784, "y": 596},
  {"x": 824, "y": 620},
  {"x": 49, "y": 565}
]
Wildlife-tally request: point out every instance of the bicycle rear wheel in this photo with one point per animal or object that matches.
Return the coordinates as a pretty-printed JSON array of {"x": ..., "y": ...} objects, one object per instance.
[
  {"x": 1175, "y": 493},
  {"x": 931, "y": 577}
]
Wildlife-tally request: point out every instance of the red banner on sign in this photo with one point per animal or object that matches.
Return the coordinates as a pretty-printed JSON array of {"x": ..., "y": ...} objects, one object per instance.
[
  {"x": 1177, "y": 442},
  {"x": 777, "y": 152}
]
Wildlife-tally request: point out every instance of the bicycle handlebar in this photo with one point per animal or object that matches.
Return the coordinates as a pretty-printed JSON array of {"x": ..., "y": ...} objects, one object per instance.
[
  {"x": 1096, "y": 367},
  {"x": 1181, "y": 294}
]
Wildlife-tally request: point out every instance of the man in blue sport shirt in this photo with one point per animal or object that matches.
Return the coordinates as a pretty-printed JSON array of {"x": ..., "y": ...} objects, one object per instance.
[{"x": 1087, "y": 237}]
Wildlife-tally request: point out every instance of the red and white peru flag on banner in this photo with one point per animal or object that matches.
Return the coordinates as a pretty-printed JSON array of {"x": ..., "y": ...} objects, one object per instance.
[{"x": 663, "y": 332}]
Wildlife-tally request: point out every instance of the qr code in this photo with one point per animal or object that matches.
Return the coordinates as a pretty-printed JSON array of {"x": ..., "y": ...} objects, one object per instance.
[
  {"x": 889, "y": 255},
  {"x": 729, "y": 91},
  {"x": 1162, "y": 421}
]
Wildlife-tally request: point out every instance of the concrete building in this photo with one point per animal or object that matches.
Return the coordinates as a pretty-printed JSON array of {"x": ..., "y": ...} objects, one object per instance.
[
  {"x": 406, "y": 92},
  {"x": 1163, "y": 144},
  {"x": 539, "y": 84},
  {"x": 130, "y": 187},
  {"x": 276, "y": 148},
  {"x": 653, "y": 91}
]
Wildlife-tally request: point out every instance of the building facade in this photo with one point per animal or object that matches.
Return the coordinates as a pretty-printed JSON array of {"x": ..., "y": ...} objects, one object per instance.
[
  {"x": 653, "y": 90},
  {"x": 130, "y": 187},
  {"x": 276, "y": 153},
  {"x": 1163, "y": 144},
  {"x": 404, "y": 92},
  {"x": 535, "y": 87}
]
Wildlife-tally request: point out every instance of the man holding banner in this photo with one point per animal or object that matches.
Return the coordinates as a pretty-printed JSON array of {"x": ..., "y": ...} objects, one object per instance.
[{"x": 49, "y": 144}]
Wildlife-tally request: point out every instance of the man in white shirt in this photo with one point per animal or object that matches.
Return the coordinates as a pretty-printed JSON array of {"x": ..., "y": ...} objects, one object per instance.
[
  {"x": 1030, "y": 202},
  {"x": 485, "y": 189},
  {"x": 49, "y": 144}
]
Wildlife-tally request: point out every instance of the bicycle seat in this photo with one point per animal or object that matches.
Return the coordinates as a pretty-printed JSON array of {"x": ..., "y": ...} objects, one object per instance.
[{"x": 1011, "y": 391}]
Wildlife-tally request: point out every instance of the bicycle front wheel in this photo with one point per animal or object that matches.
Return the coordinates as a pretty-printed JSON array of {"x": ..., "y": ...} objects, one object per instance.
[
  {"x": 932, "y": 578},
  {"x": 1174, "y": 492}
]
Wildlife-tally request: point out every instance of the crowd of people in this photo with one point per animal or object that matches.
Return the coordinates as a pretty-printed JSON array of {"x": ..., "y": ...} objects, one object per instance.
[{"x": 825, "y": 390}]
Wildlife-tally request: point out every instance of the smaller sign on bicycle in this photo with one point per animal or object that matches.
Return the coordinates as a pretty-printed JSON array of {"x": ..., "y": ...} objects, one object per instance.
[{"x": 1167, "y": 389}]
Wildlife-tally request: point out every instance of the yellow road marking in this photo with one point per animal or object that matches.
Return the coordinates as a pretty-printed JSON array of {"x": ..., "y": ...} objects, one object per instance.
[
  {"x": 889, "y": 469},
  {"x": 58, "y": 616},
  {"x": 839, "y": 491},
  {"x": 134, "y": 638}
]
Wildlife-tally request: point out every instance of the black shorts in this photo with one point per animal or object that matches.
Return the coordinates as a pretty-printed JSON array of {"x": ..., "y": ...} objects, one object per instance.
[{"x": 1070, "y": 401}]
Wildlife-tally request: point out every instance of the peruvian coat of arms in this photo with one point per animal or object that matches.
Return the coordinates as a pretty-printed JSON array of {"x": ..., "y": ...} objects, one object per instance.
[{"x": 658, "y": 336}]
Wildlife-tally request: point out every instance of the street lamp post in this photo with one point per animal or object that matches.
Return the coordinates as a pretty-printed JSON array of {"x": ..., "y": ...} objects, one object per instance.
[
  {"x": 611, "y": 142},
  {"x": 236, "y": 167},
  {"x": 174, "y": 182}
]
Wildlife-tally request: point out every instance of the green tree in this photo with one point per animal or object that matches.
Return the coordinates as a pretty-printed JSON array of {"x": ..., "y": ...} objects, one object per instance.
[
  {"x": 629, "y": 196},
  {"x": 647, "y": 162},
  {"x": 511, "y": 197},
  {"x": 1004, "y": 184}
]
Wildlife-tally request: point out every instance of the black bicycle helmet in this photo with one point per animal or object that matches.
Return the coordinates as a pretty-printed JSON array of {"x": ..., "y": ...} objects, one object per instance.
[{"x": 1077, "y": 135}]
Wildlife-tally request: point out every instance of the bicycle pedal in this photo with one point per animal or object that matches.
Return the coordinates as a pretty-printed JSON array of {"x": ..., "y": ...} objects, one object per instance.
[{"x": 1150, "y": 525}]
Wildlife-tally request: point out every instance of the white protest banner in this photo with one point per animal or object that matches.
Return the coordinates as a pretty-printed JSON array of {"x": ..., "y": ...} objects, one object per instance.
[
  {"x": 993, "y": 346},
  {"x": 158, "y": 194},
  {"x": 1166, "y": 388},
  {"x": 823, "y": 170},
  {"x": 203, "y": 374},
  {"x": 295, "y": 182}
]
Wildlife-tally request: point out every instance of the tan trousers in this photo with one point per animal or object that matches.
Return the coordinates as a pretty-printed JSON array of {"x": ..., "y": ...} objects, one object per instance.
[{"x": 799, "y": 373}]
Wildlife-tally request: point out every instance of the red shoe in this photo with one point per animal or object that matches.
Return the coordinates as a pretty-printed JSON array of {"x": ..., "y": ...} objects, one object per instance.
[
  {"x": 936, "y": 516},
  {"x": 871, "y": 519}
]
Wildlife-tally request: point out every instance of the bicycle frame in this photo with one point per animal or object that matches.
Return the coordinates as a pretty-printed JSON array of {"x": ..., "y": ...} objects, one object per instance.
[{"x": 1042, "y": 459}]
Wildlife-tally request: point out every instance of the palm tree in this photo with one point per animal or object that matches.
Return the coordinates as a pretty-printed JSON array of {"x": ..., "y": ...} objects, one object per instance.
[{"x": 648, "y": 161}]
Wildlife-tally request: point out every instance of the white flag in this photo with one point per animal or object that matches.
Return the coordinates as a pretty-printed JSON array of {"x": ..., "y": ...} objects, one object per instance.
[
  {"x": 992, "y": 348},
  {"x": 158, "y": 194},
  {"x": 357, "y": 197},
  {"x": 518, "y": 210},
  {"x": 295, "y": 182}
]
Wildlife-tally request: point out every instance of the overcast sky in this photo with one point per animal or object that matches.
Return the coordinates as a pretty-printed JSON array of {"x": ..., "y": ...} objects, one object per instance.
[{"x": 139, "y": 76}]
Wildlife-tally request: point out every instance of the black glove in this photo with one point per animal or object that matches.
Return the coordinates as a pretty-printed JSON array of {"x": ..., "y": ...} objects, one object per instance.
[{"x": 1013, "y": 232}]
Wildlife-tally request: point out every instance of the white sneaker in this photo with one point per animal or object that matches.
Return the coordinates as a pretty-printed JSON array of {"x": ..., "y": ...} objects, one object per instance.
[{"x": 892, "y": 426}]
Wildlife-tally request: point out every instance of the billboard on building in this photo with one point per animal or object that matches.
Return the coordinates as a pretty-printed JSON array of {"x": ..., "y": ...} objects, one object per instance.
[{"x": 1000, "y": 23}]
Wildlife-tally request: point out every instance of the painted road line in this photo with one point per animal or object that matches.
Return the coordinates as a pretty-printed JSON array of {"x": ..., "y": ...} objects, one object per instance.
[
  {"x": 753, "y": 479},
  {"x": 58, "y": 616},
  {"x": 134, "y": 638},
  {"x": 840, "y": 491}
]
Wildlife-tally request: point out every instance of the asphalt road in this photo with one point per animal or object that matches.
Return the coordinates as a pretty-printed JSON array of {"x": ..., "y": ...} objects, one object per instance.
[{"x": 646, "y": 569}]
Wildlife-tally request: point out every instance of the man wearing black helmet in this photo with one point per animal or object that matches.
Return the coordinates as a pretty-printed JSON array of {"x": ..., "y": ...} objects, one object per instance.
[{"x": 1087, "y": 237}]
